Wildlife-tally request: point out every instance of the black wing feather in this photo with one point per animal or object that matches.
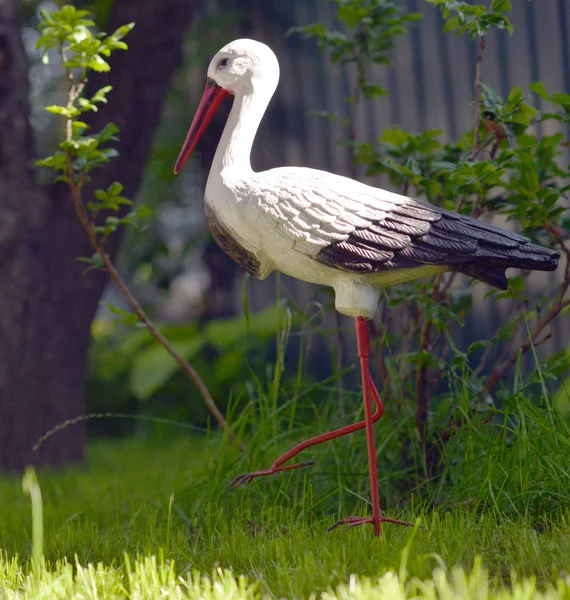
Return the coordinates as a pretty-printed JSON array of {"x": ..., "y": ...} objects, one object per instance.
[{"x": 416, "y": 233}]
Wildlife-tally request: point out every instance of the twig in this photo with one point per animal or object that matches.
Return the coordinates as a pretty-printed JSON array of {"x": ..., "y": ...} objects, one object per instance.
[
  {"x": 89, "y": 227},
  {"x": 119, "y": 282},
  {"x": 518, "y": 319},
  {"x": 499, "y": 371},
  {"x": 422, "y": 378},
  {"x": 422, "y": 382},
  {"x": 477, "y": 88},
  {"x": 558, "y": 305},
  {"x": 360, "y": 80}
]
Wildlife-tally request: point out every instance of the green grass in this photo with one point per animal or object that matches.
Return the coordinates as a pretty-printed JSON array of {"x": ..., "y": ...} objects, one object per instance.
[{"x": 146, "y": 519}]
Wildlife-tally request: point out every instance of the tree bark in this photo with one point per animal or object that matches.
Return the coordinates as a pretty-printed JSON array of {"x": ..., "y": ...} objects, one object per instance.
[{"x": 46, "y": 305}]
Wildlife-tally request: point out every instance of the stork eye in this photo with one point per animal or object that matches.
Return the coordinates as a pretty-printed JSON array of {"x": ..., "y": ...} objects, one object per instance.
[{"x": 223, "y": 63}]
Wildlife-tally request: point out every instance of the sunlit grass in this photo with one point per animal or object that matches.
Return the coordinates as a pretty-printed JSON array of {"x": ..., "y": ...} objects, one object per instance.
[
  {"x": 148, "y": 519},
  {"x": 155, "y": 578}
]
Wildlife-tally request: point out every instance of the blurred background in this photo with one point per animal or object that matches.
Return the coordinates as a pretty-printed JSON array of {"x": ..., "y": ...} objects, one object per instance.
[{"x": 176, "y": 270}]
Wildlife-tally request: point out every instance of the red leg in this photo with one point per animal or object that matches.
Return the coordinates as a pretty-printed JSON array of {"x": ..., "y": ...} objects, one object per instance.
[
  {"x": 370, "y": 393},
  {"x": 364, "y": 356},
  {"x": 319, "y": 439}
]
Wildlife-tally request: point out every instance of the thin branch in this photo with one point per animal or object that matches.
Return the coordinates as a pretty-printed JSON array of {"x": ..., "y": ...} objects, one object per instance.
[
  {"x": 422, "y": 383},
  {"x": 505, "y": 366},
  {"x": 89, "y": 227},
  {"x": 477, "y": 87},
  {"x": 558, "y": 304},
  {"x": 439, "y": 291},
  {"x": 354, "y": 111},
  {"x": 491, "y": 346},
  {"x": 119, "y": 282}
]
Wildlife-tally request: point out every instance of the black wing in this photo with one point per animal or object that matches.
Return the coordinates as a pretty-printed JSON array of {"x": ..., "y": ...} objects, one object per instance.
[{"x": 416, "y": 233}]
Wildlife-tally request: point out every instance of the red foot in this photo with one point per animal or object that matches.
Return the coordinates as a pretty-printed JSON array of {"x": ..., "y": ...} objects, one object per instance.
[
  {"x": 355, "y": 521},
  {"x": 247, "y": 477}
]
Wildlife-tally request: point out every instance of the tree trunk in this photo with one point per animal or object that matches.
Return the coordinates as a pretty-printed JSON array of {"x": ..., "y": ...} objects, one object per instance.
[{"x": 46, "y": 305}]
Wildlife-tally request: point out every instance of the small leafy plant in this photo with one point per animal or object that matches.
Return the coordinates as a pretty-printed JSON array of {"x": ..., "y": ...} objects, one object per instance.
[
  {"x": 499, "y": 167},
  {"x": 370, "y": 28},
  {"x": 70, "y": 32}
]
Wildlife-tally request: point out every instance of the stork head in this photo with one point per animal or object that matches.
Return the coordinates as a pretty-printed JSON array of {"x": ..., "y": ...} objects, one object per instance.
[{"x": 241, "y": 67}]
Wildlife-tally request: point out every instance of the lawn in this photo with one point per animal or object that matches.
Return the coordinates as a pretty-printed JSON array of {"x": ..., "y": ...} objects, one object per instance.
[{"x": 154, "y": 518}]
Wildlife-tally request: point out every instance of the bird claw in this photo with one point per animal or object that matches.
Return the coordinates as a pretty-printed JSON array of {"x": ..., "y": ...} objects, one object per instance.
[
  {"x": 351, "y": 522},
  {"x": 245, "y": 478},
  {"x": 248, "y": 477}
]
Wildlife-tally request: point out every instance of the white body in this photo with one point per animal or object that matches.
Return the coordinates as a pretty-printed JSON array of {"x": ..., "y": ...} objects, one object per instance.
[
  {"x": 278, "y": 228},
  {"x": 285, "y": 216}
]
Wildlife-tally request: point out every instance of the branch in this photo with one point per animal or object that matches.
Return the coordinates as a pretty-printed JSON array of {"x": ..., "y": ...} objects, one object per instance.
[
  {"x": 422, "y": 383},
  {"x": 477, "y": 87},
  {"x": 74, "y": 92},
  {"x": 120, "y": 283},
  {"x": 439, "y": 291},
  {"x": 558, "y": 305},
  {"x": 355, "y": 106}
]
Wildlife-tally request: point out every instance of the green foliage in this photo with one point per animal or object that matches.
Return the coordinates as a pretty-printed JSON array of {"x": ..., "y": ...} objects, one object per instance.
[
  {"x": 502, "y": 169},
  {"x": 372, "y": 27},
  {"x": 70, "y": 32},
  {"x": 474, "y": 19},
  {"x": 152, "y": 577},
  {"x": 153, "y": 366},
  {"x": 136, "y": 356}
]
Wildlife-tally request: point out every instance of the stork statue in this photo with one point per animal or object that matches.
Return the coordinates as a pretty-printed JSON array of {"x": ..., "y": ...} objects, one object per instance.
[{"x": 332, "y": 230}]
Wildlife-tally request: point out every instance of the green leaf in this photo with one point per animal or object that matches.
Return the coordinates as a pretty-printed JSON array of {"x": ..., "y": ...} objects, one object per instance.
[
  {"x": 86, "y": 105},
  {"x": 540, "y": 89},
  {"x": 154, "y": 366},
  {"x": 451, "y": 24},
  {"x": 68, "y": 113},
  {"x": 516, "y": 95},
  {"x": 561, "y": 98},
  {"x": 45, "y": 14},
  {"x": 395, "y": 136},
  {"x": 108, "y": 133},
  {"x": 58, "y": 162},
  {"x": 373, "y": 91},
  {"x": 225, "y": 333},
  {"x": 562, "y": 399},
  {"x": 122, "y": 31},
  {"x": 501, "y": 5},
  {"x": 140, "y": 212},
  {"x": 478, "y": 345},
  {"x": 98, "y": 64},
  {"x": 529, "y": 178},
  {"x": 115, "y": 188},
  {"x": 116, "y": 310},
  {"x": 101, "y": 95}
]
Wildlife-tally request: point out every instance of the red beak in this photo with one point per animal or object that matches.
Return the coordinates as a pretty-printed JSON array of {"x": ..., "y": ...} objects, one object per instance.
[{"x": 211, "y": 99}]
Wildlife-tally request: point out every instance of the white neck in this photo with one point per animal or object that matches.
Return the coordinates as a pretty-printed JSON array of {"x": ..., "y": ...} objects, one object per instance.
[{"x": 234, "y": 150}]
